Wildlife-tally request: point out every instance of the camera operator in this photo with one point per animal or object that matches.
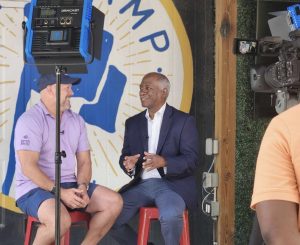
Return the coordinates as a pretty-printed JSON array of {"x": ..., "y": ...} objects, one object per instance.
[
  {"x": 277, "y": 180},
  {"x": 276, "y": 188}
]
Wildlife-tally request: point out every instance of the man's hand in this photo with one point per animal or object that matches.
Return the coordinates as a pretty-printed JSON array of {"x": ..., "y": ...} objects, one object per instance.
[
  {"x": 153, "y": 161},
  {"x": 84, "y": 194},
  {"x": 130, "y": 161},
  {"x": 74, "y": 198}
]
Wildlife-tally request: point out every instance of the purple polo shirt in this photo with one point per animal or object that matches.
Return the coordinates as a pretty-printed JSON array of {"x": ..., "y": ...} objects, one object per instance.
[{"x": 35, "y": 131}]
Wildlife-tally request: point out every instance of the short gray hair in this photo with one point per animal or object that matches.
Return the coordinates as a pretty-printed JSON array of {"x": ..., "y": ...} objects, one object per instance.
[{"x": 164, "y": 81}]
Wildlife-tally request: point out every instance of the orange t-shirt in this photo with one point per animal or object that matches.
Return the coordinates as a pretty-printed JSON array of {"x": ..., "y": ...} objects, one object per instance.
[{"x": 278, "y": 164}]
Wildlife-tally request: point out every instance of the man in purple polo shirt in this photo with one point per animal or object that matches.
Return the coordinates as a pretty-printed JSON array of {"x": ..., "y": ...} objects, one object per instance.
[{"x": 35, "y": 167}]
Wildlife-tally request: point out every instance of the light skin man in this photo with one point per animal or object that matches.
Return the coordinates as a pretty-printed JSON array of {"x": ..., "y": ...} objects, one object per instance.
[{"x": 103, "y": 204}]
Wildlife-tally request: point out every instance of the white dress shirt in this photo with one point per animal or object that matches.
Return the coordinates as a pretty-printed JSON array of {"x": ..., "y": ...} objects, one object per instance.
[{"x": 154, "y": 126}]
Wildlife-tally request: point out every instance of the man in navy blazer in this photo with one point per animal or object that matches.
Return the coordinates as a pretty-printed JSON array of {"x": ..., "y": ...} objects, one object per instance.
[{"x": 161, "y": 152}]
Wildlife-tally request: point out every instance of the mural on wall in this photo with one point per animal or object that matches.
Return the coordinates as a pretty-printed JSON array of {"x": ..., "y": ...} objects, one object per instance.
[{"x": 138, "y": 37}]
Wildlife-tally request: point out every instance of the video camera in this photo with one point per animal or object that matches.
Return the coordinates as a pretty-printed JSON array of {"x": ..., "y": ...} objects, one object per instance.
[
  {"x": 282, "y": 77},
  {"x": 283, "y": 74}
]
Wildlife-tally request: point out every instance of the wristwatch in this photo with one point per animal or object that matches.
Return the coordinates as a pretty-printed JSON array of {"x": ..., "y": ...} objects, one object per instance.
[
  {"x": 86, "y": 185},
  {"x": 53, "y": 190}
]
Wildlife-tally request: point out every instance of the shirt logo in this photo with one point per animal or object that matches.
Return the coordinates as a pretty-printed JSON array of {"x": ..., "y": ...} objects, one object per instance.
[{"x": 25, "y": 140}]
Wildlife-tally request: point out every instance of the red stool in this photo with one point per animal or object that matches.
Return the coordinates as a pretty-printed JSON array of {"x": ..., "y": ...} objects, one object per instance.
[
  {"x": 147, "y": 214},
  {"x": 76, "y": 216}
]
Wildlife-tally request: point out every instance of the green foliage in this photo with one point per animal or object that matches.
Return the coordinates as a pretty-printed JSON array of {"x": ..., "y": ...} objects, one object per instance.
[{"x": 249, "y": 129}]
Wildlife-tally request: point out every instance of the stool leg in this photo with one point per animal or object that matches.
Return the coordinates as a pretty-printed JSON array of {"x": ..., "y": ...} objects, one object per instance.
[
  {"x": 185, "y": 236},
  {"x": 28, "y": 231},
  {"x": 65, "y": 240},
  {"x": 144, "y": 225}
]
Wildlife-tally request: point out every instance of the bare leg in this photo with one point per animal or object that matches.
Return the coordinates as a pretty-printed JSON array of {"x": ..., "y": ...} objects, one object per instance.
[
  {"x": 105, "y": 206},
  {"x": 46, "y": 232}
]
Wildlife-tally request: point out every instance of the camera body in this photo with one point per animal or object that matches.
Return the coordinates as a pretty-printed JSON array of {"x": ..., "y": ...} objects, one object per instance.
[
  {"x": 283, "y": 74},
  {"x": 281, "y": 78}
]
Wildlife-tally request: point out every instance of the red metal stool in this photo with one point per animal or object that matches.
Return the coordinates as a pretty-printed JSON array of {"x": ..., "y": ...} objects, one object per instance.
[
  {"x": 149, "y": 213},
  {"x": 76, "y": 216}
]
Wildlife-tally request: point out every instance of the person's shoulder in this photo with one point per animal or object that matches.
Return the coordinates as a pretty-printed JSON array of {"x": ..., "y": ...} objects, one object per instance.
[
  {"x": 32, "y": 119},
  {"x": 291, "y": 114},
  {"x": 33, "y": 114},
  {"x": 289, "y": 119},
  {"x": 136, "y": 117},
  {"x": 292, "y": 110},
  {"x": 177, "y": 113}
]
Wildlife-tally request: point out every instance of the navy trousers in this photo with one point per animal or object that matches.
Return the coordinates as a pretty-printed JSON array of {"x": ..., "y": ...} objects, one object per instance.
[{"x": 147, "y": 193}]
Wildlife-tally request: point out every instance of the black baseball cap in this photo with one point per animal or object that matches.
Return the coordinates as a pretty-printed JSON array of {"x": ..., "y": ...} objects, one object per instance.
[{"x": 49, "y": 79}]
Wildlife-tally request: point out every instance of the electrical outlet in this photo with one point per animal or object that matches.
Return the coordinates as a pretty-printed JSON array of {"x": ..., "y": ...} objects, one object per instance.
[
  {"x": 212, "y": 208},
  {"x": 211, "y": 146},
  {"x": 210, "y": 179}
]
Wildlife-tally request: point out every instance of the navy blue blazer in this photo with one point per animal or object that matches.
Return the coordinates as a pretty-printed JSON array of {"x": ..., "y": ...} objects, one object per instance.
[{"x": 178, "y": 144}]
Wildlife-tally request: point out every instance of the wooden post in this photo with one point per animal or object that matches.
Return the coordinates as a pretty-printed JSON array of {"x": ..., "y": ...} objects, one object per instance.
[{"x": 225, "y": 116}]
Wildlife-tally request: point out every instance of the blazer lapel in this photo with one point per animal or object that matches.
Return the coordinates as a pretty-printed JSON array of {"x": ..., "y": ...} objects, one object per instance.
[
  {"x": 144, "y": 131},
  {"x": 165, "y": 126}
]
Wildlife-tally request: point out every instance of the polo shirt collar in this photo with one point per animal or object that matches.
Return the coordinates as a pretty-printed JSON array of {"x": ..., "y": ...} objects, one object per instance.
[
  {"x": 46, "y": 112},
  {"x": 43, "y": 107}
]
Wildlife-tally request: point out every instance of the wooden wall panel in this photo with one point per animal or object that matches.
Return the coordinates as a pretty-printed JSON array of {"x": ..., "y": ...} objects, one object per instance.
[{"x": 225, "y": 115}]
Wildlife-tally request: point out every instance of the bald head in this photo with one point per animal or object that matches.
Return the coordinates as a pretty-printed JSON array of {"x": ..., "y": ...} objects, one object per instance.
[{"x": 161, "y": 78}]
